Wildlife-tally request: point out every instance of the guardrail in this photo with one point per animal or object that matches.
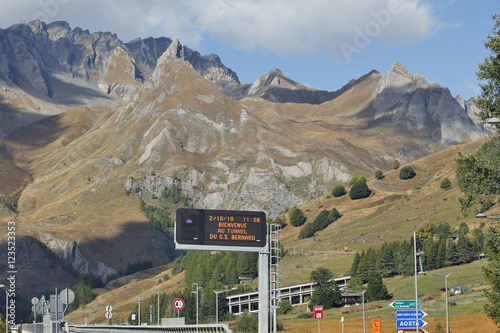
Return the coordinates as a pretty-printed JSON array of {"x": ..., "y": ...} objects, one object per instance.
[{"x": 210, "y": 328}]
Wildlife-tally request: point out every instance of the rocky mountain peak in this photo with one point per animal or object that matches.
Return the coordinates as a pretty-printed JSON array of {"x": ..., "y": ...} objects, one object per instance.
[
  {"x": 175, "y": 50},
  {"x": 399, "y": 69}
]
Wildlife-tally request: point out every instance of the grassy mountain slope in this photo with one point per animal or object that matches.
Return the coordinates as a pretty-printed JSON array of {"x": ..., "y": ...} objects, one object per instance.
[{"x": 394, "y": 210}]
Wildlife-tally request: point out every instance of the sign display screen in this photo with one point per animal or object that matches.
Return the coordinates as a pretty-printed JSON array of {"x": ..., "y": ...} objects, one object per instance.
[{"x": 220, "y": 228}]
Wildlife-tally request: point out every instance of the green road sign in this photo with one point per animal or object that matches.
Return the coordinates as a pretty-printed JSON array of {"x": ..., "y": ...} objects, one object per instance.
[{"x": 404, "y": 305}]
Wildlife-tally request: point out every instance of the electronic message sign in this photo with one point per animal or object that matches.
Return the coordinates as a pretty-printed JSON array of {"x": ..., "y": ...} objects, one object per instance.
[{"x": 220, "y": 230}]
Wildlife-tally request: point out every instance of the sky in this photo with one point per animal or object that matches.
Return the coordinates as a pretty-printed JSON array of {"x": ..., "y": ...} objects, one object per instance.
[{"x": 320, "y": 43}]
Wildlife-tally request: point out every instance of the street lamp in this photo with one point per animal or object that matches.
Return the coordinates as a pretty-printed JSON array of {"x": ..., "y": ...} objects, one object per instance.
[
  {"x": 217, "y": 292},
  {"x": 446, "y": 290},
  {"x": 139, "y": 310},
  {"x": 363, "y": 301},
  {"x": 6, "y": 308},
  {"x": 158, "y": 292},
  {"x": 196, "y": 292}
]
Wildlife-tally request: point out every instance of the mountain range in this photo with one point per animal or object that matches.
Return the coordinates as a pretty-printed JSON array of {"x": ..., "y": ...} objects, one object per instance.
[{"x": 86, "y": 118}]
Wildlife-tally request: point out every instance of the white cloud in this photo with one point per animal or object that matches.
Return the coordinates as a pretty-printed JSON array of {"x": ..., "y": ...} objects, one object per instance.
[{"x": 277, "y": 26}]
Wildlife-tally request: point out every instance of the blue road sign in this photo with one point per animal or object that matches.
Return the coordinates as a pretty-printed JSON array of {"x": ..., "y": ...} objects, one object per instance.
[
  {"x": 410, "y": 323},
  {"x": 410, "y": 314}
]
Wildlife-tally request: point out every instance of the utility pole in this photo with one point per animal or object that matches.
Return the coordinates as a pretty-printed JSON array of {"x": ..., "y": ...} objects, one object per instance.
[{"x": 158, "y": 292}]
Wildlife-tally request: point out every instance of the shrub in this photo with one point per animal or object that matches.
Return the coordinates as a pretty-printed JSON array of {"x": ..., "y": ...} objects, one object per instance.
[
  {"x": 446, "y": 184},
  {"x": 307, "y": 231},
  {"x": 338, "y": 191},
  {"x": 396, "y": 165},
  {"x": 359, "y": 190},
  {"x": 379, "y": 174},
  {"x": 285, "y": 307},
  {"x": 407, "y": 172},
  {"x": 357, "y": 179},
  {"x": 297, "y": 217}
]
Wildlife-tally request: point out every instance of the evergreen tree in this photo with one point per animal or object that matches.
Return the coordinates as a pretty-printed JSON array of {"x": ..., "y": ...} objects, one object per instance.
[
  {"x": 376, "y": 290},
  {"x": 355, "y": 263},
  {"x": 338, "y": 191},
  {"x": 386, "y": 266}
]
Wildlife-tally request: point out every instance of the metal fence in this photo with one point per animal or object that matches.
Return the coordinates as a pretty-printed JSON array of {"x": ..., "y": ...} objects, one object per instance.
[{"x": 220, "y": 328}]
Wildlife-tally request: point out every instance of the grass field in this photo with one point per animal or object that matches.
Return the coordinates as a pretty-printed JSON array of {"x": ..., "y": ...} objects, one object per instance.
[{"x": 465, "y": 310}]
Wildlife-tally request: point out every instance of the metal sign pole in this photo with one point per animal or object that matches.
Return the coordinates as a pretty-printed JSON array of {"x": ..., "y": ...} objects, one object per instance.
[{"x": 264, "y": 291}]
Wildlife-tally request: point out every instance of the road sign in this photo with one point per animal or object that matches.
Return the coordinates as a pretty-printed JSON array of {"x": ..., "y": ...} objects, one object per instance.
[
  {"x": 410, "y": 323},
  {"x": 178, "y": 304},
  {"x": 108, "y": 315},
  {"x": 410, "y": 330},
  {"x": 225, "y": 230},
  {"x": 376, "y": 325},
  {"x": 67, "y": 296},
  {"x": 318, "y": 312},
  {"x": 410, "y": 314},
  {"x": 109, "y": 308},
  {"x": 85, "y": 320},
  {"x": 404, "y": 305}
]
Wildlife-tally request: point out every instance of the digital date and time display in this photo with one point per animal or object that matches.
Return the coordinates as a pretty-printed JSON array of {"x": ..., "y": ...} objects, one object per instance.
[{"x": 221, "y": 227}]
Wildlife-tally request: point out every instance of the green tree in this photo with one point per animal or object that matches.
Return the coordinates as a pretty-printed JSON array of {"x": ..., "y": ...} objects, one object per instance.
[
  {"x": 326, "y": 292},
  {"x": 297, "y": 217},
  {"x": 338, "y": 191},
  {"x": 488, "y": 100},
  {"x": 359, "y": 190},
  {"x": 379, "y": 174},
  {"x": 396, "y": 165},
  {"x": 479, "y": 174},
  {"x": 376, "y": 290},
  {"x": 492, "y": 274},
  {"x": 407, "y": 172}
]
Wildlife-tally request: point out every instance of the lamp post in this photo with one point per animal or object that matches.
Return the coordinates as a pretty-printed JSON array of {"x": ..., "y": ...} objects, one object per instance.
[
  {"x": 217, "y": 292},
  {"x": 139, "y": 310},
  {"x": 446, "y": 295},
  {"x": 6, "y": 308},
  {"x": 196, "y": 292},
  {"x": 363, "y": 301},
  {"x": 158, "y": 292}
]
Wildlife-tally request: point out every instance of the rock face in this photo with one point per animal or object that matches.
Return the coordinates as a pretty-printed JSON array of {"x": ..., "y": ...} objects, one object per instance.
[{"x": 428, "y": 110}]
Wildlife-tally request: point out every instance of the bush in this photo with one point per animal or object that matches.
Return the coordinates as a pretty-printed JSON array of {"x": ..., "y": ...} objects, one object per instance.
[
  {"x": 446, "y": 184},
  {"x": 359, "y": 190},
  {"x": 379, "y": 174},
  {"x": 396, "y": 165},
  {"x": 338, "y": 191},
  {"x": 357, "y": 179},
  {"x": 407, "y": 172},
  {"x": 297, "y": 218},
  {"x": 307, "y": 231},
  {"x": 285, "y": 307}
]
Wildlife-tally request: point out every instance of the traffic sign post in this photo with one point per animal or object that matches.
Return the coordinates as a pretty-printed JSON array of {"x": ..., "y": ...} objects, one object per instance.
[
  {"x": 318, "y": 314},
  {"x": 178, "y": 305},
  {"x": 404, "y": 305},
  {"x": 376, "y": 325},
  {"x": 410, "y": 330},
  {"x": 410, "y": 314},
  {"x": 410, "y": 323}
]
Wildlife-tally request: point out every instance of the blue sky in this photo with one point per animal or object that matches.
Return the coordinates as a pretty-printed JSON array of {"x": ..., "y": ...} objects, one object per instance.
[{"x": 320, "y": 43}]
